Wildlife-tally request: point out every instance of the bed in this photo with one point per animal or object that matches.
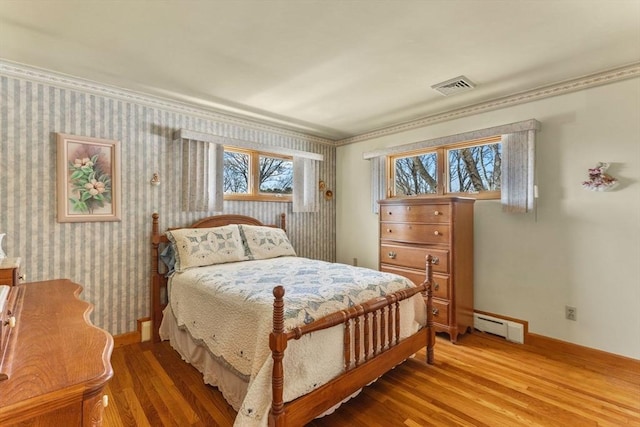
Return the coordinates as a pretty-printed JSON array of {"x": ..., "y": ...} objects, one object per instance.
[{"x": 285, "y": 339}]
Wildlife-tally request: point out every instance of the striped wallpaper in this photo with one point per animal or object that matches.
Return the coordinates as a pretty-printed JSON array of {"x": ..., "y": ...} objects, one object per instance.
[{"x": 111, "y": 259}]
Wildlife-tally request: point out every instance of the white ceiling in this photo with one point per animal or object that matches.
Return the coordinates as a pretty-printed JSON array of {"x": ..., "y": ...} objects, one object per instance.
[{"x": 332, "y": 68}]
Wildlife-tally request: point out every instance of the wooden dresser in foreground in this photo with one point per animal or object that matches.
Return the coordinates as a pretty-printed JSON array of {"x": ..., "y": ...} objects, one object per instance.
[
  {"x": 56, "y": 363},
  {"x": 410, "y": 229}
]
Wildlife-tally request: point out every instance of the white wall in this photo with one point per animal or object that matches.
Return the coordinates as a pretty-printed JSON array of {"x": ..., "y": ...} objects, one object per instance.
[{"x": 580, "y": 248}]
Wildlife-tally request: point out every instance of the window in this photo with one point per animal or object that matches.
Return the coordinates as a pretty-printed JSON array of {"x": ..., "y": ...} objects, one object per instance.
[
  {"x": 215, "y": 168},
  {"x": 255, "y": 175},
  {"x": 509, "y": 166},
  {"x": 469, "y": 169}
]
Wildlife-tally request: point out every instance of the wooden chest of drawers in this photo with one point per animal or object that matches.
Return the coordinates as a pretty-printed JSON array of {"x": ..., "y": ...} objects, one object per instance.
[{"x": 411, "y": 229}]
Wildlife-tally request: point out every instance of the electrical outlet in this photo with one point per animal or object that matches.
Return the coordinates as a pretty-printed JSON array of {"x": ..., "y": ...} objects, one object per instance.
[{"x": 571, "y": 313}]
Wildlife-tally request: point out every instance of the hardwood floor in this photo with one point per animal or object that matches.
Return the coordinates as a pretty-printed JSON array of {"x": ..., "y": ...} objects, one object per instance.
[{"x": 482, "y": 381}]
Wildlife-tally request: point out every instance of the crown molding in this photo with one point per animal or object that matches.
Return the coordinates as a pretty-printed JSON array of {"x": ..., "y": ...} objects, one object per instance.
[
  {"x": 21, "y": 71},
  {"x": 12, "y": 69},
  {"x": 567, "y": 86}
]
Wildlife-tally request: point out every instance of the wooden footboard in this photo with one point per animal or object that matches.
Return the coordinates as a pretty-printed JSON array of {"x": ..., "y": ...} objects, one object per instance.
[{"x": 376, "y": 324}]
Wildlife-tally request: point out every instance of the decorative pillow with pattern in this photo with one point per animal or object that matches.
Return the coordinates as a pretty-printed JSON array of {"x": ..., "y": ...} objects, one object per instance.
[
  {"x": 196, "y": 247},
  {"x": 266, "y": 242}
]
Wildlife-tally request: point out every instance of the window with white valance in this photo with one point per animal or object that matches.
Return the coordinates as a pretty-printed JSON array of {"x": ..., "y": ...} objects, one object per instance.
[
  {"x": 517, "y": 167},
  {"x": 202, "y": 171}
]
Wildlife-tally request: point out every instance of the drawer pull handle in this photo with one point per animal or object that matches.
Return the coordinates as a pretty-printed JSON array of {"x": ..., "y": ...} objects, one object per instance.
[
  {"x": 436, "y": 213},
  {"x": 436, "y": 286},
  {"x": 392, "y": 255},
  {"x": 435, "y": 260},
  {"x": 408, "y": 208},
  {"x": 388, "y": 230},
  {"x": 437, "y": 233},
  {"x": 435, "y": 311},
  {"x": 11, "y": 321},
  {"x": 105, "y": 400}
]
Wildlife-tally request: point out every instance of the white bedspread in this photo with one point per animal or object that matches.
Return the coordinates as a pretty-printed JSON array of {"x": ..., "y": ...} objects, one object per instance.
[{"x": 228, "y": 308}]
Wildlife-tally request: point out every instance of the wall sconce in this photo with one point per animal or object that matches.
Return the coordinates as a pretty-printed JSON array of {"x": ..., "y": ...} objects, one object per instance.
[
  {"x": 155, "y": 180},
  {"x": 328, "y": 194}
]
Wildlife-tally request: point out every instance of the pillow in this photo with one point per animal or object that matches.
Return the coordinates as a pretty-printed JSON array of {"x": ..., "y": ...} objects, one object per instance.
[
  {"x": 168, "y": 256},
  {"x": 266, "y": 242},
  {"x": 197, "y": 247}
]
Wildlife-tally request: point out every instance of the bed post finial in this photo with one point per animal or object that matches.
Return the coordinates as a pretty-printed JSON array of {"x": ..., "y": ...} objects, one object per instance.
[
  {"x": 155, "y": 225},
  {"x": 277, "y": 344}
]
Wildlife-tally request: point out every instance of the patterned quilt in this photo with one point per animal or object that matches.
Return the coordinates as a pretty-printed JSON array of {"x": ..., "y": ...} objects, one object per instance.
[{"x": 228, "y": 307}]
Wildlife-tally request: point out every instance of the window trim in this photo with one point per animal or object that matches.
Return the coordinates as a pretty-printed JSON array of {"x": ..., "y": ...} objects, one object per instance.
[
  {"x": 254, "y": 193},
  {"x": 442, "y": 171}
]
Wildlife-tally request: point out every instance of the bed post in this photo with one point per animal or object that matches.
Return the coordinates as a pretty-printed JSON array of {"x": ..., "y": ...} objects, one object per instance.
[
  {"x": 156, "y": 313},
  {"x": 431, "y": 334},
  {"x": 277, "y": 343},
  {"x": 283, "y": 221}
]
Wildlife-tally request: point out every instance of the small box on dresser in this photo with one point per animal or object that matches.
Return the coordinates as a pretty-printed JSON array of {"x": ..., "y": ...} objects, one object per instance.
[{"x": 411, "y": 229}]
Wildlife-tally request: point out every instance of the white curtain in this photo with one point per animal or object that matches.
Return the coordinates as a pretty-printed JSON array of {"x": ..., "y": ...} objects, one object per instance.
[
  {"x": 202, "y": 176},
  {"x": 518, "y": 167},
  {"x": 305, "y": 185},
  {"x": 378, "y": 182}
]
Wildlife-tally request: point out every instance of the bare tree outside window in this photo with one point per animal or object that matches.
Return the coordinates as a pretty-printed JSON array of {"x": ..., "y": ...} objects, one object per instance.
[
  {"x": 236, "y": 172},
  {"x": 470, "y": 168},
  {"x": 252, "y": 174},
  {"x": 475, "y": 169},
  {"x": 276, "y": 175},
  {"x": 416, "y": 175}
]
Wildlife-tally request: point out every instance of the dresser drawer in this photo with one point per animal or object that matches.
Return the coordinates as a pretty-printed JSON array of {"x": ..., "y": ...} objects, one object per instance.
[
  {"x": 415, "y": 233},
  {"x": 9, "y": 310},
  {"x": 440, "y": 282},
  {"x": 414, "y": 257},
  {"x": 419, "y": 213},
  {"x": 440, "y": 312},
  {"x": 6, "y": 276}
]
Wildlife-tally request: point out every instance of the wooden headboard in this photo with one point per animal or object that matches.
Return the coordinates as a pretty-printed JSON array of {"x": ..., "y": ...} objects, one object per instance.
[{"x": 159, "y": 295}]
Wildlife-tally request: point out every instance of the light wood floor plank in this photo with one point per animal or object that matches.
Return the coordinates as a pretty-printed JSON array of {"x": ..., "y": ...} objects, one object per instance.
[{"x": 483, "y": 381}]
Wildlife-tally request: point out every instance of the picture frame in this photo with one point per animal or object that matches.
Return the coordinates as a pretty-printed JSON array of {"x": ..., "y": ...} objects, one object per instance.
[{"x": 88, "y": 179}]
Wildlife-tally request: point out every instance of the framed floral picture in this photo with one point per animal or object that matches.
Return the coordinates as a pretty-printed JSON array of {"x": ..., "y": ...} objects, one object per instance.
[{"x": 88, "y": 179}]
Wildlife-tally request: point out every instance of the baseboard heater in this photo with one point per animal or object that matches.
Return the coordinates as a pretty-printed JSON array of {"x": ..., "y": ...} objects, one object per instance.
[{"x": 512, "y": 331}]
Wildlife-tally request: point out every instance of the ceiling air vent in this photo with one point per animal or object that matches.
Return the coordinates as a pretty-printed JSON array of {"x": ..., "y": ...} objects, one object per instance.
[{"x": 453, "y": 86}]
